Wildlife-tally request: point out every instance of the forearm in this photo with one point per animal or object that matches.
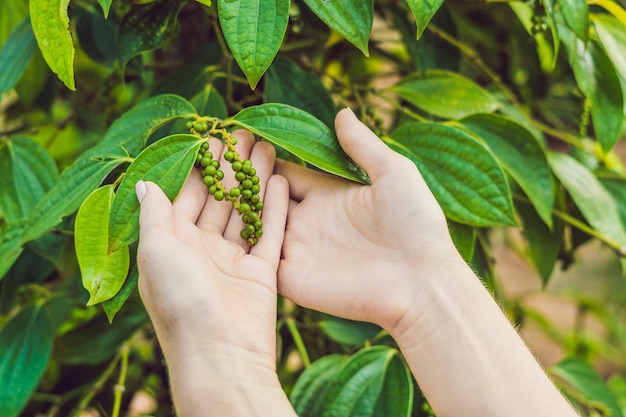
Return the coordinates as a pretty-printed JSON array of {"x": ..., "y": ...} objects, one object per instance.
[
  {"x": 468, "y": 359},
  {"x": 213, "y": 383}
]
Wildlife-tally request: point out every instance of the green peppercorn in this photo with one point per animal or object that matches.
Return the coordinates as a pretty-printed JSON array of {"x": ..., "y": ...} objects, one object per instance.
[
  {"x": 246, "y": 184},
  {"x": 244, "y": 234},
  {"x": 209, "y": 180},
  {"x": 250, "y": 229},
  {"x": 255, "y": 180},
  {"x": 237, "y": 165},
  {"x": 215, "y": 163},
  {"x": 255, "y": 198},
  {"x": 213, "y": 189},
  {"x": 247, "y": 194},
  {"x": 258, "y": 233},
  {"x": 205, "y": 162},
  {"x": 259, "y": 206},
  {"x": 208, "y": 154},
  {"x": 210, "y": 170},
  {"x": 189, "y": 125},
  {"x": 258, "y": 225},
  {"x": 234, "y": 192},
  {"x": 252, "y": 172},
  {"x": 255, "y": 189},
  {"x": 229, "y": 156},
  {"x": 244, "y": 208},
  {"x": 240, "y": 176},
  {"x": 219, "y": 195},
  {"x": 204, "y": 146},
  {"x": 219, "y": 174},
  {"x": 199, "y": 127}
]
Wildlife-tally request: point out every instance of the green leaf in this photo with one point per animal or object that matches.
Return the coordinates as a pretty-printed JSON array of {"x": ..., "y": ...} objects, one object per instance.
[
  {"x": 51, "y": 26},
  {"x": 168, "y": 163},
  {"x": 254, "y": 31},
  {"x": 11, "y": 14},
  {"x": 352, "y": 19},
  {"x": 146, "y": 26},
  {"x": 209, "y": 102},
  {"x": 27, "y": 172},
  {"x": 579, "y": 378},
  {"x": 26, "y": 345},
  {"x": 10, "y": 245},
  {"x": 462, "y": 174},
  {"x": 288, "y": 84},
  {"x": 95, "y": 341},
  {"x": 309, "y": 393},
  {"x": 15, "y": 55},
  {"x": 593, "y": 200},
  {"x": 612, "y": 34},
  {"x": 544, "y": 243},
  {"x": 445, "y": 94},
  {"x": 301, "y": 134},
  {"x": 133, "y": 128},
  {"x": 576, "y": 16},
  {"x": 207, "y": 3},
  {"x": 369, "y": 384},
  {"x": 348, "y": 332},
  {"x": 74, "y": 185},
  {"x": 617, "y": 189},
  {"x": 464, "y": 238},
  {"x": 106, "y": 5},
  {"x": 423, "y": 11},
  {"x": 103, "y": 273},
  {"x": 112, "y": 307},
  {"x": 97, "y": 36},
  {"x": 520, "y": 155}
]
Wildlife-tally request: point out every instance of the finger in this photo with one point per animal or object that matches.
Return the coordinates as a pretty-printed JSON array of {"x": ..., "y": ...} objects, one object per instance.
[
  {"x": 362, "y": 145},
  {"x": 189, "y": 202},
  {"x": 215, "y": 214},
  {"x": 274, "y": 220},
  {"x": 262, "y": 157},
  {"x": 302, "y": 179},
  {"x": 156, "y": 216}
]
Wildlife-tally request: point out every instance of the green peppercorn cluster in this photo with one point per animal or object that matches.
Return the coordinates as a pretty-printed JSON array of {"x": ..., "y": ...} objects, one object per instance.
[
  {"x": 539, "y": 24},
  {"x": 245, "y": 197}
]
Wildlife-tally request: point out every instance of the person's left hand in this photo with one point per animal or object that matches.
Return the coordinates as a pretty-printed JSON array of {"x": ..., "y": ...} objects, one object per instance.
[{"x": 208, "y": 294}]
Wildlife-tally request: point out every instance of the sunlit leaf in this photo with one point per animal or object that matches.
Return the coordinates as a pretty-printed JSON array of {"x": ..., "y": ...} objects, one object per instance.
[
  {"x": 51, "y": 22},
  {"x": 576, "y": 16},
  {"x": 423, "y": 11},
  {"x": 254, "y": 31},
  {"x": 462, "y": 174},
  {"x": 103, "y": 273},
  {"x": 353, "y": 19},
  {"x": 445, "y": 94},
  {"x": 167, "y": 163},
  {"x": 301, "y": 134}
]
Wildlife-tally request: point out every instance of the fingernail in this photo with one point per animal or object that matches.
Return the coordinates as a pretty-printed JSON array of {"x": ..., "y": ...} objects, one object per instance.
[{"x": 140, "y": 190}]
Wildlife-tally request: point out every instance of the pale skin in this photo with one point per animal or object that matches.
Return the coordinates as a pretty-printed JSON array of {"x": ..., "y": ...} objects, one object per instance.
[{"x": 380, "y": 253}]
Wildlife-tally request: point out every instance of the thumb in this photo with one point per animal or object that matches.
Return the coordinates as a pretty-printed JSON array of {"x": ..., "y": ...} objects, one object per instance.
[
  {"x": 156, "y": 215},
  {"x": 362, "y": 145}
]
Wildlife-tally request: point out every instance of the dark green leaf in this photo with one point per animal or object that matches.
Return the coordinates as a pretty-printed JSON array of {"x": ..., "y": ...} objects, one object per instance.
[
  {"x": 26, "y": 345},
  {"x": 51, "y": 23},
  {"x": 167, "y": 163},
  {"x": 254, "y": 31},
  {"x": 98, "y": 37},
  {"x": 445, "y": 94},
  {"x": 72, "y": 188},
  {"x": 348, "y": 332},
  {"x": 396, "y": 397},
  {"x": 462, "y": 174},
  {"x": 147, "y": 26},
  {"x": 103, "y": 273},
  {"x": 593, "y": 200},
  {"x": 520, "y": 155},
  {"x": 576, "y": 16},
  {"x": 97, "y": 340},
  {"x": 11, "y": 14},
  {"x": 133, "y": 128},
  {"x": 27, "y": 172},
  {"x": 352, "y": 19},
  {"x": 301, "y": 134},
  {"x": 209, "y": 102},
  {"x": 15, "y": 55},
  {"x": 464, "y": 238},
  {"x": 579, "y": 378},
  {"x": 423, "y": 11},
  {"x": 288, "y": 84},
  {"x": 309, "y": 393},
  {"x": 112, "y": 306},
  {"x": 10, "y": 245}
]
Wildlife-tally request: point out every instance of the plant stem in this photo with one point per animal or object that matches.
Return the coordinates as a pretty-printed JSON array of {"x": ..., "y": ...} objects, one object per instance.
[
  {"x": 119, "y": 388},
  {"x": 403, "y": 109},
  {"x": 297, "y": 338},
  {"x": 96, "y": 387}
]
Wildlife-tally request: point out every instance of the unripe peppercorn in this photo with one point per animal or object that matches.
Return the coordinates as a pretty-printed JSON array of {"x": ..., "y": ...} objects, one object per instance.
[
  {"x": 205, "y": 161},
  {"x": 240, "y": 176},
  {"x": 237, "y": 165},
  {"x": 209, "y": 180},
  {"x": 229, "y": 156},
  {"x": 219, "y": 195},
  {"x": 244, "y": 208}
]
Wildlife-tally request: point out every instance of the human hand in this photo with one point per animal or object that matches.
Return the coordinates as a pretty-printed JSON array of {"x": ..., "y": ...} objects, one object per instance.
[
  {"x": 357, "y": 251},
  {"x": 210, "y": 297}
]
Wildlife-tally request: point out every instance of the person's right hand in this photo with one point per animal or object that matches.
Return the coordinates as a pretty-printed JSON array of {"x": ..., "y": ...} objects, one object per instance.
[{"x": 363, "y": 252}]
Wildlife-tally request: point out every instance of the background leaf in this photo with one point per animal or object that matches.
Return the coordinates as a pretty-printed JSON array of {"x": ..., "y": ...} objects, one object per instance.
[
  {"x": 26, "y": 345},
  {"x": 287, "y": 83},
  {"x": 445, "y": 94},
  {"x": 147, "y": 26},
  {"x": 464, "y": 238},
  {"x": 462, "y": 174},
  {"x": 520, "y": 155},
  {"x": 423, "y": 11},
  {"x": 351, "y": 18},
  {"x": 102, "y": 273},
  {"x": 51, "y": 26},
  {"x": 301, "y": 134},
  {"x": 348, "y": 332},
  {"x": 309, "y": 393},
  {"x": 106, "y": 5},
  {"x": 168, "y": 163},
  {"x": 113, "y": 306},
  {"x": 576, "y": 16},
  {"x": 10, "y": 245},
  {"x": 254, "y": 31},
  {"x": 27, "y": 172},
  {"x": 15, "y": 55}
]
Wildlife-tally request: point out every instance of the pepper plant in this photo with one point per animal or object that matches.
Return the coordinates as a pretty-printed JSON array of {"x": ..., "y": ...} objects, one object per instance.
[{"x": 512, "y": 110}]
